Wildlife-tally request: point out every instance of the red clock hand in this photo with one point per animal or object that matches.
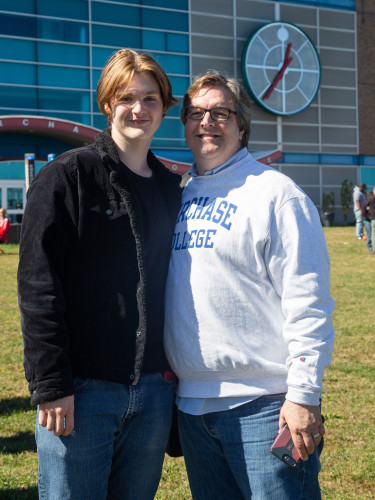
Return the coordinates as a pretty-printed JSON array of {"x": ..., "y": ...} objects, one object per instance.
[{"x": 280, "y": 74}]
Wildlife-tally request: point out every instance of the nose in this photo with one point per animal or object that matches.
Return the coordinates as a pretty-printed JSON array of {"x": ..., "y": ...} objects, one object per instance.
[
  {"x": 207, "y": 120},
  {"x": 137, "y": 106}
]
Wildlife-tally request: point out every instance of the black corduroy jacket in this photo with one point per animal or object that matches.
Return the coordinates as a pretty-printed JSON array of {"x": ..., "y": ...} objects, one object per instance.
[{"x": 81, "y": 246}]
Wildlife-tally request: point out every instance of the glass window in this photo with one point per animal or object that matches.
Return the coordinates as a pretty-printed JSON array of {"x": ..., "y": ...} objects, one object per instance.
[
  {"x": 120, "y": 37},
  {"x": 116, "y": 14},
  {"x": 159, "y": 40},
  {"x": 52, "y": 76},
  {"x": 62, "y": 30},
  {"x": 349, "y": 4},
  {"x": 74, "y": 9},
  {"x": 166, "y": 143},
  {"x": 95, "y": 77},
  {"x": 23, "y": 50},
  {"x": 17, "y": 73},
  {"x": 174, "y": 111},
  {"x": 43, "y": 28},
  {"x": 170, "y": 127},
  {"x": 177, "y": 43},
  {"x": 15, "y": 218},
  {"x": 60, "y": 53},
  {"x": 172, "y": 4},
  {"x": 163, "y": 19},
  {"x": 17, "y": 25},
  {"x": 153, "y": 40},
  {"x": 8, "y": 147},
  {"x": 100, "y": 122},
  {"x": 15, "y": 198},
  {"x": 15, "y": 97},
  {"x": 1, "y": 197},
  {"x": 180, "y": 84},
  {"x": 173, "y": 63},
  {"x": 134, "y": 2},
  {"x": 95, "y": 106},
  {"x": 67, "y": 100},
  {"x": 27, "y": 6},
  {"x": 100, "y": 56}
]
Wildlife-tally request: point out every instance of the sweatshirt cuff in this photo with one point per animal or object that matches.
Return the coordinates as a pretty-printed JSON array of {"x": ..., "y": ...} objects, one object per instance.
[{"x": 300, "y": 396}]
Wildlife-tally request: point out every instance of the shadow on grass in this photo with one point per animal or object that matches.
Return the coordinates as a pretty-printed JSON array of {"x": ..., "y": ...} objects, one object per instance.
[
  {"x": 18, "y": 494},
  {"x": 11, "y": 405},
  {"x": 23, "y": 441}
]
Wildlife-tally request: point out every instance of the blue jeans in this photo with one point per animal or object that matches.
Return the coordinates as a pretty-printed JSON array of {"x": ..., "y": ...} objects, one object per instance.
[
  {"x": 367, "y": 224},
  {"x": 117, "y": 447},
  {"x": 227, "y": 455},
  {"x": 358, "y": 223}
]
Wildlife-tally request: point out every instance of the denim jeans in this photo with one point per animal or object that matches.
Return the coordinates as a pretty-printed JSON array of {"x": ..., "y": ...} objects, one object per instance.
[
  {"x": 117, "y": 447},
  {"x": 227, "y": 455},
  {"x": 358, "y": 223},
  {"x": 367, "y": 224}
]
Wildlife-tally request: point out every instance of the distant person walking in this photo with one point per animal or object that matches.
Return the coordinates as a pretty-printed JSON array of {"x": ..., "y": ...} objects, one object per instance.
[
  {"x": 359, "y": 199},
  {"x": 4, "y": 227}
]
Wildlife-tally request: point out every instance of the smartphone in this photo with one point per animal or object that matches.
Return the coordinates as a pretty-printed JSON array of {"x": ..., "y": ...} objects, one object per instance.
[{"x": 283, "y": 448}]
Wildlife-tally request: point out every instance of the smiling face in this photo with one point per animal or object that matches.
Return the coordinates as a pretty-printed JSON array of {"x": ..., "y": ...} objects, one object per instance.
[
  {"x": 136, "y": 112},
  {"x": 212, "y": 142}
]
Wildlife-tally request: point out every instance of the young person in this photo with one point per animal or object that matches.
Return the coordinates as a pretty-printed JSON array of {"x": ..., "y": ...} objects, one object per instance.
[{"x": 91, "y": 284}]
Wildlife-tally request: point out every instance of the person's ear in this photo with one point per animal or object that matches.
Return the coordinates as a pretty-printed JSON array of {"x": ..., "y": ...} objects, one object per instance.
[{"x": 107, "y": 108}]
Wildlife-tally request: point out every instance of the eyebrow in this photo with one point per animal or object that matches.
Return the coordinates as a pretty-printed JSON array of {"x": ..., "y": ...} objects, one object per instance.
[
  {"x": 222, "y": 105},
  {"x": 151, "y": 91},
  {"x": 145, "y": 93}
]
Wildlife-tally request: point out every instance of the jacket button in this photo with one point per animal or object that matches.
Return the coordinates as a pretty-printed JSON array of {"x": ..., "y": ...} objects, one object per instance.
[
  {"x": 132, "y": 377},
  {"x": 108, "y": 211}
]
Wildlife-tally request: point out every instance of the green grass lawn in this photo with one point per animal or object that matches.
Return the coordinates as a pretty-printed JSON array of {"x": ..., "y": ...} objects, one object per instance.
[{"x": 348, "y": 459}]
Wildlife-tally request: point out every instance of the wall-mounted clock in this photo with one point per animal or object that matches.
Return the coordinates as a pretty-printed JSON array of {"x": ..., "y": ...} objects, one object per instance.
[{"x": 281, "y": 68}]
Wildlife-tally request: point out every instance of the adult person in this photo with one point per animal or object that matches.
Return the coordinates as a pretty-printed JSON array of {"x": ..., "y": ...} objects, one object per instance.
[
  {"x": 94, "y": 253},
  {"x": 367, "y": 224},
  {"x": 4, "y": 227},
  {"x": 369, "y": 212},
  {"x": 248, "y": 310},
  {"x": 359, "y": 199}
]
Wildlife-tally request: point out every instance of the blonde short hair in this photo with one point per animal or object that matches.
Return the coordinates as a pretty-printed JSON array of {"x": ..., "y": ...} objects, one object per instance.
[
  {"x": 239, "y": 95},
  {"x": 119, "y": 71}
]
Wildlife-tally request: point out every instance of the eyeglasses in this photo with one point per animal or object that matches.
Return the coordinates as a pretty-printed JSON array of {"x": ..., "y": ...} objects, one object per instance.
[{"x": 217, "y": 114}]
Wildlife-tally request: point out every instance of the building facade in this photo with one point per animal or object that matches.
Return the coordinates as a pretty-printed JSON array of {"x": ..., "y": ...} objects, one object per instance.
[{"x": 52, "y": 53}]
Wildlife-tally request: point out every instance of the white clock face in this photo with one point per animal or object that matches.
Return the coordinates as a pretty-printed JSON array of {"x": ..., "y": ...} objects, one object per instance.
[{"x": 281, "y": 68}]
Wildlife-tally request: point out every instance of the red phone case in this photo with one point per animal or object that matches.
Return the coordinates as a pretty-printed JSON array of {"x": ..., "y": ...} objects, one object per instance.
[{"x": 283, "y": 448}]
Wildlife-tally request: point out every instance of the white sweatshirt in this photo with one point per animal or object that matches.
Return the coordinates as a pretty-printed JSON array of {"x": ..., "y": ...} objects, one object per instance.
[{"x": 248, "y": 307}]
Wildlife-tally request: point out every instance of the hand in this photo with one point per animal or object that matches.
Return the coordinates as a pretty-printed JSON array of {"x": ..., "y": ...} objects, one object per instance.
[
  {"x": 58, "y": 416},
  {"x": 280, "y": 74},
  {"x": 304, "y": 422}
]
